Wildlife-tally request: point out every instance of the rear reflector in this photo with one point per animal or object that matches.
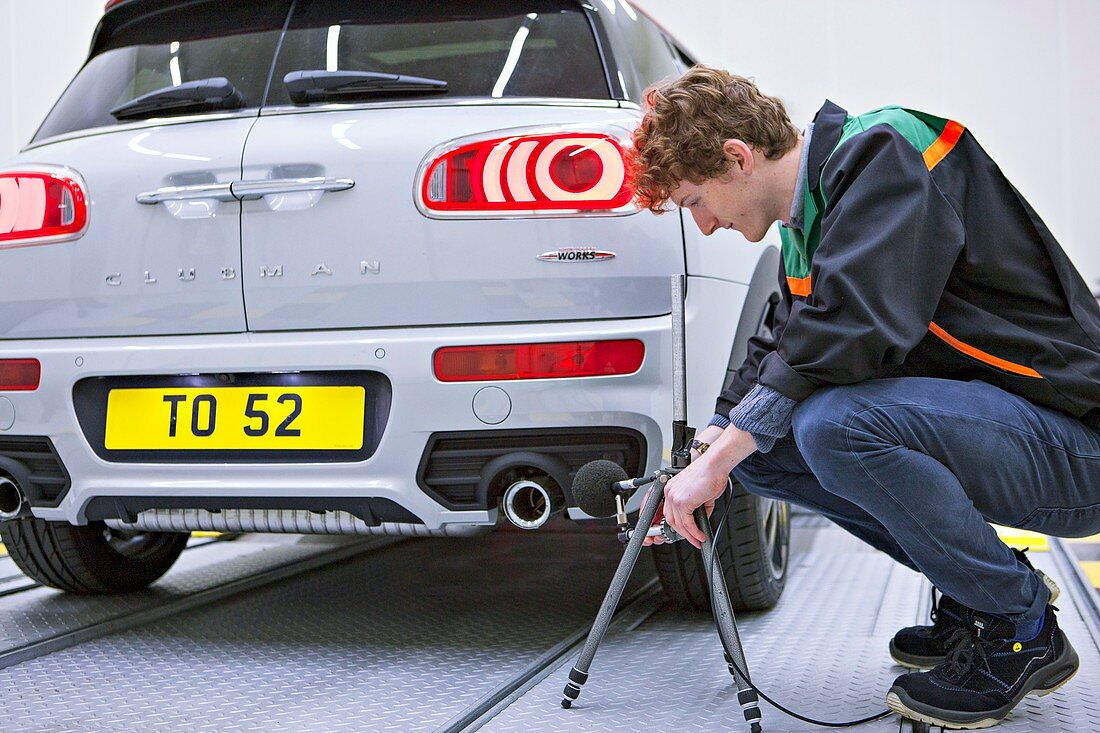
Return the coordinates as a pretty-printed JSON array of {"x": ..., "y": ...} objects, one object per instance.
[
  {"x": 538, "y": 361},
  {"x": 535, "y": 173},
  {"x": 40, "y": 206},
  {"x": 19, "y": 375}
]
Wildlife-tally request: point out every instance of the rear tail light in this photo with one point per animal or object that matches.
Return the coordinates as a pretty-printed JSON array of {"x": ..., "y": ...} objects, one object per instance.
[
  {"x": 538, "y": 361},
  {"x": 527, "y": 173},
  {"x": 41, "y": 206},
  {"x": 19, "y": 375}
]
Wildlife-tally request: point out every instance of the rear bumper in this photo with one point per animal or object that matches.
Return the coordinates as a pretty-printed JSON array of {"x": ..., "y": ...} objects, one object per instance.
[{"x": 422, "y": 406}]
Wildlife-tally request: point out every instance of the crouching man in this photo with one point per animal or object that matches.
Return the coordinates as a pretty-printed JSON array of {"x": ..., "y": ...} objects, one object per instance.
[{"x": 935, "y": 367}]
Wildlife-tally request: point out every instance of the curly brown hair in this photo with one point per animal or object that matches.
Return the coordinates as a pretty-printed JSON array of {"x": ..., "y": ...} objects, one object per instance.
[{"x": 688, "y": 119}]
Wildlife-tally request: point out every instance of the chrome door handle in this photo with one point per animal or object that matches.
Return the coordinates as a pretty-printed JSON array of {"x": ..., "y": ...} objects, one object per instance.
[
  {"x": 250, "y": 190},
  {"x": 216, "y": 191}
]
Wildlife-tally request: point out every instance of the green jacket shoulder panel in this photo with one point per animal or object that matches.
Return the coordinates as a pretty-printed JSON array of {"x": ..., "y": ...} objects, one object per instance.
[{"x": 918, "y": 128}]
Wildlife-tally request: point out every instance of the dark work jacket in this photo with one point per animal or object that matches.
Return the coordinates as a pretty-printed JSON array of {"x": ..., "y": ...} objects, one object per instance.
[{"x": 919, "y": 258}]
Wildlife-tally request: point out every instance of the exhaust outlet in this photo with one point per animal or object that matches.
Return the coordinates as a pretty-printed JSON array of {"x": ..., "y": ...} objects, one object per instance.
[
  {"x": 13, "y": 503},
  {"x": 528, "y": 505}
]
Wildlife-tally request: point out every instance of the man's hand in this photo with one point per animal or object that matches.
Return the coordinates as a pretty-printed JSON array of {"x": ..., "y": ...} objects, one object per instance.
[
  {"x": 702, "y": 482},
  {"x": 709, "y": 435}
]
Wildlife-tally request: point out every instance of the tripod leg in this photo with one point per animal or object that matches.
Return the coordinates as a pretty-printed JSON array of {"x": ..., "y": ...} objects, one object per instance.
[
  {"x": 727, "y": 626},
  {"x": 579, "y": 674}
]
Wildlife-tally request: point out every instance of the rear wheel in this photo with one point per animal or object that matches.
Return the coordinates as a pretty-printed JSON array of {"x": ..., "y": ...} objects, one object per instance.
[
  {"x": 90, "y": 559},
  {"x": 753, "y": 547}
]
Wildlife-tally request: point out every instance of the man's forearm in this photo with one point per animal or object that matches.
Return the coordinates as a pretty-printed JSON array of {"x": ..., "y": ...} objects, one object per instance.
[{"x": 732, "y": 447}]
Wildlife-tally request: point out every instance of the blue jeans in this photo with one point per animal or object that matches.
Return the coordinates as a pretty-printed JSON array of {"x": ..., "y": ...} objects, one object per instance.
[{"x": 916, "y": 467}]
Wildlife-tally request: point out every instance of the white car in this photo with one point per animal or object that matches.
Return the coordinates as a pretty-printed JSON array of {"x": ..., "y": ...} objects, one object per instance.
[{"x": 350, "y": 267}]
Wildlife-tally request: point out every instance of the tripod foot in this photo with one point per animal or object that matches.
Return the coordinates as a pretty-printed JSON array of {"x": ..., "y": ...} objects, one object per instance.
[
  {"x": 750, "y": 705},
  {"x": 573, "y": 688}
]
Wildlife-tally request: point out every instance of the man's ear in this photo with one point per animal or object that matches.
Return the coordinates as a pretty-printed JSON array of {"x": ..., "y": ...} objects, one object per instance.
[{"x": 738, "y": 153}]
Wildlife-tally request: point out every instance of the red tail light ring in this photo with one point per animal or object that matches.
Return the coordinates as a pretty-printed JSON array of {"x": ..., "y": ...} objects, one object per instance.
[
  {"x": 526, "y": 173},
  {"x": 41, "y": 206},
  {"x": 538, "y": 361}
]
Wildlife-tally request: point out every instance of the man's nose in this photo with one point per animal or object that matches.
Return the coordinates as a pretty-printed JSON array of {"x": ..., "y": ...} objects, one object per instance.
[{"x": 706, "y": 222}]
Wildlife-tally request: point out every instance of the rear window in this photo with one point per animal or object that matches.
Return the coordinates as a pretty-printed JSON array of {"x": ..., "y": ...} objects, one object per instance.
[
  {"x": 519, "y": 48},
  {"x": 480, "y": 48},
  {"x": 142, "y": 49}
]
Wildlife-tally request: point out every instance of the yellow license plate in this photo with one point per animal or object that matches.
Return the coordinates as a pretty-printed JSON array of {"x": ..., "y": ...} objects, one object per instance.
[{"x": 235, "y": 418}]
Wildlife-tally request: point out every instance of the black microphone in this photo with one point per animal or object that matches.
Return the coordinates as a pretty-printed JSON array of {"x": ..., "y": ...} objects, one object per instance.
[{"x": 592, "y": 490}]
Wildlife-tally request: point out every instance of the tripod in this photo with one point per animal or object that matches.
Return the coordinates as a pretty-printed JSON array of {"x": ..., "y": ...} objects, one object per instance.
[
  {"x": 716, "y": 580},
  {"x": 720, "y": 603}
]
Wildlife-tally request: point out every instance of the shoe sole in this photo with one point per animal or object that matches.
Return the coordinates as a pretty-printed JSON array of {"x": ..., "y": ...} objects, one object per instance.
[
  {"x": 917, "y": 662},
  {"x": 1048, "y": 581},
  {"x": 1065, "y": 667}
]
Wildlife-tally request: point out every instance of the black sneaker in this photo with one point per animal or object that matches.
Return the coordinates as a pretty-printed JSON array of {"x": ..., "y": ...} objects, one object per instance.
[
  {"x": 924, "y": 647},
  {"x": 986, "y": 675}
]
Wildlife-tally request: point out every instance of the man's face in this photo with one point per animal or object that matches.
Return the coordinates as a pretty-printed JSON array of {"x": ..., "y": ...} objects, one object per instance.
[
  {"x": 735, "y": 200},
  {"x": 726, "y": 202}
]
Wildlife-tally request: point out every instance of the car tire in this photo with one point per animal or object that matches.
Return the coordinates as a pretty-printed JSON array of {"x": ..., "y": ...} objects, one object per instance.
[
  {"x": 753, "y": 544},
  {"x": 90, "y": 559}
]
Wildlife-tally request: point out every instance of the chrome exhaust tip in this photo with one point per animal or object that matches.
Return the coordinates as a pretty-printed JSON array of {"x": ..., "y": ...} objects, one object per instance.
[
  {"x": 13, "y": 503},
  {"x": 527, "y": 504}
]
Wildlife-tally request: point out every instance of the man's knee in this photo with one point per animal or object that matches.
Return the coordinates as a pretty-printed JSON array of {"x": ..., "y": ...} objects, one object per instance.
[
  {"x": 820, "y": 423},
  {"x": 835, "y": 426}
]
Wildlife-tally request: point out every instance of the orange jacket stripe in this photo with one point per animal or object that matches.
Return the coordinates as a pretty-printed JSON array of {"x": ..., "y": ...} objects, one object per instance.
[
  {"x": 980, "y": 355},
  {"x": 800, "y": 285},
  {"x": 943, "y": 145}
]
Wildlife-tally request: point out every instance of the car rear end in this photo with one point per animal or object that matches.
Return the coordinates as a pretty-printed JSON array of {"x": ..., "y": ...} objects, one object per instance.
[{"x": 262, "y": 273}]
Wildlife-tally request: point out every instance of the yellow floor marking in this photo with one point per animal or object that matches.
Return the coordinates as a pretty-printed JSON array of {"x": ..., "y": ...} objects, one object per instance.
[
  {"x": 1022, "y": 538},
  {"x": 3, "y": 550},
  {"x": 1092, "y": 569},
  {"x": 1038, "y": 543}
]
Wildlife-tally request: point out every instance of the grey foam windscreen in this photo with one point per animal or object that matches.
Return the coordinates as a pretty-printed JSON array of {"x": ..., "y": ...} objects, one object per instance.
[{"x": 592, "y": 487}]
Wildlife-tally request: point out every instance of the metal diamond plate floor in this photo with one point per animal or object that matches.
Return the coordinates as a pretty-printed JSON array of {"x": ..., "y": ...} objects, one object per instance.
[
  {"x": 413, "y": 636},
  {"x": 401, "y": 639},
  {"x": 822, "y": 652},
  {"x": 42, "y": 612}
]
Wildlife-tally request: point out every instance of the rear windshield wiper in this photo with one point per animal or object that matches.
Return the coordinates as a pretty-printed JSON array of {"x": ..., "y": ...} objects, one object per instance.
[
  {"x": 194, "y": 96},
  {"x": 316, "y": 85}
]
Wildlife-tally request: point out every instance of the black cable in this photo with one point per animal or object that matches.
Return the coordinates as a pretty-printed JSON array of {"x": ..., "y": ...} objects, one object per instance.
[{"x": 710, "y": 574}]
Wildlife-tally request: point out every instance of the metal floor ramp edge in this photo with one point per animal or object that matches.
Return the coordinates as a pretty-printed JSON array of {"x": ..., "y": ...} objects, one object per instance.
[{"x": 822, "y": 652}]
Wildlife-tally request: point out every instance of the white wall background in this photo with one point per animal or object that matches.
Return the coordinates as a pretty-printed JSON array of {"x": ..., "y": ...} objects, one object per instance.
[
  {"x": 1023, "y": 75},
  {"x": 42, "y": 45}
]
